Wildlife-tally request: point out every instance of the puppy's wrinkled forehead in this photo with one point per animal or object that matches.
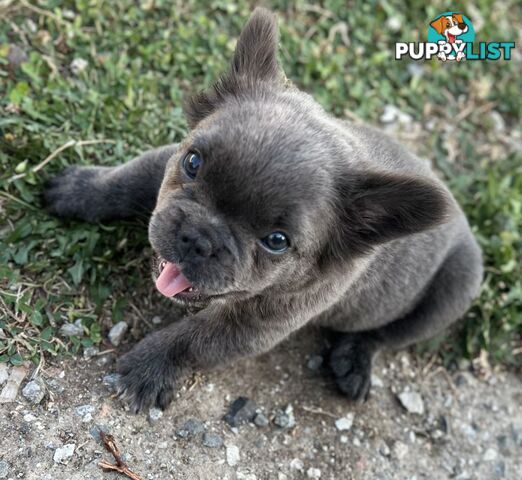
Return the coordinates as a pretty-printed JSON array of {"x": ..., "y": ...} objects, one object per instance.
[{"x": 260, "y": 164}]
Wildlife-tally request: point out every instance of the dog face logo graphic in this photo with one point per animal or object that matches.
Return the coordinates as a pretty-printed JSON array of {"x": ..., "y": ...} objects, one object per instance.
[
  {"x": 451, "y": 26},
  {"x": 451, "y": 29},
  {"x": 451, "y": 36}
]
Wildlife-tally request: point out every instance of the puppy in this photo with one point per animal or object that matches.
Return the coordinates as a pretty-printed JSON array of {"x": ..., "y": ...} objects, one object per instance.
[{"x": 270, "y": 215}]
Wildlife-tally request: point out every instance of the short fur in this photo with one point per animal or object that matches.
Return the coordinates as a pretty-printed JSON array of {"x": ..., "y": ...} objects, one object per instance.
[{"x": 380, "y": 251}]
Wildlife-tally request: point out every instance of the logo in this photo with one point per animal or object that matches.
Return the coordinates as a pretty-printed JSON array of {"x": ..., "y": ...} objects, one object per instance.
[{"x": 451, "y": 36}]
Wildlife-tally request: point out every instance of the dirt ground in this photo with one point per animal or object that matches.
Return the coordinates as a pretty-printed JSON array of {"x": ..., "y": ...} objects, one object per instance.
[{"x": 471, "y": 427}]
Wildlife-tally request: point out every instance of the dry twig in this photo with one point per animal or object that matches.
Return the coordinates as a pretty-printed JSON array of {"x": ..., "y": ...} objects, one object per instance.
[{"x": 120, "y": 466}]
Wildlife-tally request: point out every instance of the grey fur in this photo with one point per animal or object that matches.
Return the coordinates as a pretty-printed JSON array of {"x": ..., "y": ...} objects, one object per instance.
[{"x": 380, "y": 251}]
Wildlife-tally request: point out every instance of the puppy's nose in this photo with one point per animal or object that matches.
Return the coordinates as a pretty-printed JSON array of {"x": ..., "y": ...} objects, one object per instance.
[
  {"x": 462, "y": 26},
  {"x": 194, "y": 244}
]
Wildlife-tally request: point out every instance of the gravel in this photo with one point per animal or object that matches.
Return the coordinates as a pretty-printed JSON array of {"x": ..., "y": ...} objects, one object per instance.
[
  {"x": 451, "y": 440},
  {"x": 4, "y": 374},
  {"x": 212, "y": 440},
  {"x": 314, "y": 473},
  {"x": 155, "y": 414},
  {"x": 190, "y": 428},
  {"x": 315, "y": 362},
  {"x": 64, "y": 454},
  {"x": 111, "y": 380},
  {"x": 117, "y": 332},
  {"x": 412, "y": 402},
  {"x": 232, "y": 454},
  {"x": 34, "y": 391},
  {"x": 297, "y": 464},
  {"x": 285, "y": 418},
  {"x": 344, "y": 423},
  {"x": 4, "y": 469},
  {"x": 90, "y": 352},
  {"x": 72, "y": 329},
  {"x": 242, "y": 410},
  {"x": 400, "y": 450},
  {"x": 261, "y": 420},
  {"x": 83, "y": 410}
]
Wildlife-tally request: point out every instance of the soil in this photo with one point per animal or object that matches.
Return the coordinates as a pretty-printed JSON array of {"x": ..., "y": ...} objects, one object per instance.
[{"x": 471, "y": 427}]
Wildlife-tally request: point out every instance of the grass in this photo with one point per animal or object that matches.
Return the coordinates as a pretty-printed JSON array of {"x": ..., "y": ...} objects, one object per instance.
[{"x": 143, "y": 57}]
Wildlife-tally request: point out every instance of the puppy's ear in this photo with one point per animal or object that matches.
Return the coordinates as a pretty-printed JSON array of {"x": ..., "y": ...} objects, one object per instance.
[
  {"x": 254, "y": 64},
  {"x": 458, "y": 17},
  {"x": 439, "y": 24},
  {"x": 374, "y": 208}
]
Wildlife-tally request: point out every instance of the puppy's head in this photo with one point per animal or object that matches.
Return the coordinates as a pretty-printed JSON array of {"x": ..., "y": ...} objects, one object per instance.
[
  {"x": 450, "y": 26},
  {"x": 259, "y": 197}
]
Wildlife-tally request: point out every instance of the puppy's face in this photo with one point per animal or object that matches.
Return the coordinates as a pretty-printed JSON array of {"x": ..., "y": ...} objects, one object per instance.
[
  {"x": 259, "y": 197},
  {"x": 244, "y": 205}
]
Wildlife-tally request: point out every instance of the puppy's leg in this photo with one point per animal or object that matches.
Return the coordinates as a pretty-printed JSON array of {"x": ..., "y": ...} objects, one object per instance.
[
  {"x": 446, "y": 299},
  {"x": 106, "y": 193},
  {"x": 152, "y": 370}
]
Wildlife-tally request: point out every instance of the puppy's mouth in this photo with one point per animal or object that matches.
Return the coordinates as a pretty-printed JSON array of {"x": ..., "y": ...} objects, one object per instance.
[{"x": 172, "y": 283}]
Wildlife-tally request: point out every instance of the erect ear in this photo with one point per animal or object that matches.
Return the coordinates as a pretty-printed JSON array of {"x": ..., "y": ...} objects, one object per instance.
[
  {"x": 254, "y": 62},
  {"x": 439, "y": 24},
  {"x": 375, "y": 208}
]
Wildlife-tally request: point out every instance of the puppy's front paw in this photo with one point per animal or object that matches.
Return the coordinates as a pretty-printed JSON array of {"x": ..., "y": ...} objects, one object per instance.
[
  {"x": 72, "y": 193},
  {"x": 351, "y": 364},
  {"x": 148, "y": 378}
]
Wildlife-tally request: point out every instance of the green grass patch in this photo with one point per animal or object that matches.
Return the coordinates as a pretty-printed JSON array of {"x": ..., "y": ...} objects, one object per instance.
[{"x": 139, "y": 59}]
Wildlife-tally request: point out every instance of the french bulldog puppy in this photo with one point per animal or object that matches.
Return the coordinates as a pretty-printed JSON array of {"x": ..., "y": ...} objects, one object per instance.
[{"x": 271, "y": 215}]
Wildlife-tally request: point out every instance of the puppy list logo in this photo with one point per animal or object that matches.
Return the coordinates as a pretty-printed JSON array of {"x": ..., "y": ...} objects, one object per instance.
[{"x": 450, "y": 37}]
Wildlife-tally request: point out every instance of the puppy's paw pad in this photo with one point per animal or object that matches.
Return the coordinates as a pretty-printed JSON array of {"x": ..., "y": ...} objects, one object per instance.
[
  {"x": 351, "y": 364},
  {"x": 144, "y": 384}
]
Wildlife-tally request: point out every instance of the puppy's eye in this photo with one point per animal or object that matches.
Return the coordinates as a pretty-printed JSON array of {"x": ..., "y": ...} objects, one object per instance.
[
  {"x": 191, "y": 163},
  {"x": 276, "y": 242}
]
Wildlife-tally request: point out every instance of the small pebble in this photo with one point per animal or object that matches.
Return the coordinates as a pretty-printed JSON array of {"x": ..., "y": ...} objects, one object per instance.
[
  {"x": 242, "y": 410},
  {"x": 72, "y": 329},
  {"x": 83, "y": 410},
  {"x": 297, "y": 464},
  {"x": 400, "y": 450},
  {"x": 245, "y": 476},
  {"x": 156, "y": 320},
  {"x": 376, "y": 381},
  {"x": 63, "y": 454},
  {"x": 34, "y": 391},
  {"x": 190, "y": 428},
  {"x": 260, "y": 420},
  {"x": 285, "y": 419},
  {"x": 412, "y": 402},
  {"x": 117, "y": 332},
  {"x": 155, "y": 414},
  {"x": 314, "y": 473},
  {"x": 344, "y": 423},
  {"x": 96, "y": 430},
  {"x": 78, "y": 65},
  {"x": 111, "y": 380},
  {"x": 4, "y": 375},
  {"x": 232, "y": 454},
  {"x": 90, "y": 352},
  {"x": 4, "y": 469},
  {"x": 384, "y": 450},
  {"x": 29, "y": 417},
  {"x": 490, "y": 455},
  {"x": 212, "y": 440},
  {"x": 314, "y": 362}
]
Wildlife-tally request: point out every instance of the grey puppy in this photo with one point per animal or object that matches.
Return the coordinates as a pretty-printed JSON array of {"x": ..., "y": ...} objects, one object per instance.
[{"x": 272, "y": 214}]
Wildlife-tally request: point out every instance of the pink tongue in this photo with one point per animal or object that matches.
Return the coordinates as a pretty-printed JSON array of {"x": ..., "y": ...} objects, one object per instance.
[{"x": 171, "y": 281}]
